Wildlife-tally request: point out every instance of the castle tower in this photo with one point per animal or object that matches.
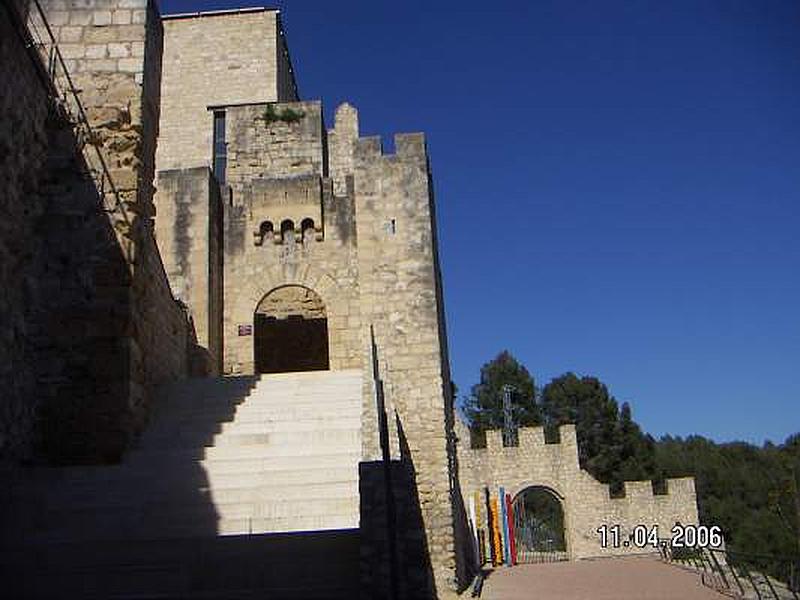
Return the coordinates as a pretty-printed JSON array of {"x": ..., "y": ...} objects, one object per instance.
[{"x": 290, "y": 243}]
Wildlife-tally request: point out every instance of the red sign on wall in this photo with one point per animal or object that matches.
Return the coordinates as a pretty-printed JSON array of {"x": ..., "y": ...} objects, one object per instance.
[{"x": 245, "y": 330}]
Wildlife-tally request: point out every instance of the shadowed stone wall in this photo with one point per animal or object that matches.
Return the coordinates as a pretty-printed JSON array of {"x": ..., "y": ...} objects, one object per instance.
[
  {"x": 586, "y": 502},
  {"x": 90, "y": 308},
  {"x": 189, "y": 235},
  {"x": 25, "y": 106}
]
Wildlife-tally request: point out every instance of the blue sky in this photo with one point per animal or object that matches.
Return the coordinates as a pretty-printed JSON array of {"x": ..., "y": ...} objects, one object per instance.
[{"x": 617, "y": 186}]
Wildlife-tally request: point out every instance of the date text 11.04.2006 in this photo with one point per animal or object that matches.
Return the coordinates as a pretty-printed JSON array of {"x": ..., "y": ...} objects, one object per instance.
[{"x": 642, "y": 536}]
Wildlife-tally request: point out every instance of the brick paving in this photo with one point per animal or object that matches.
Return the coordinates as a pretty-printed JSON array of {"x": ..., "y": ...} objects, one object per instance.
[{"x": 629, "y": 578}]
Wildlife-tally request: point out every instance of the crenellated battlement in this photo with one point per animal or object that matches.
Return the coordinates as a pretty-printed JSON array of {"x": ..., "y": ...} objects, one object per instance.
[
  {"x": 532, "y": 444},
  {"x": 536, "y": 462},
  {"x": 406, "y": 145}
]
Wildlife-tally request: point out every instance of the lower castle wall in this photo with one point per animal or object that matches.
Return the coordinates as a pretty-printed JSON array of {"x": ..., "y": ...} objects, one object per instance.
[
  {"x": 91, "y": 324},
  {"x": 23, "y": 151},
  {"x": 188, "y": 222},
  {"x": 586, "y": 502}
]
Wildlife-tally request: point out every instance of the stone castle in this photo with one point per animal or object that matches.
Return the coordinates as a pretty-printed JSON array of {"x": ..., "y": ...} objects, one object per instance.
[{"x": 242, "y": 306}]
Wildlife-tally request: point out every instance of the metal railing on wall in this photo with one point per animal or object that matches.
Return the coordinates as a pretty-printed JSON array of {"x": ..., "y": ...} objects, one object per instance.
[
  {"x": 39, "y": 39},
  {"x": 739, "y": 574},
  {"x": 42, "y": 42}
]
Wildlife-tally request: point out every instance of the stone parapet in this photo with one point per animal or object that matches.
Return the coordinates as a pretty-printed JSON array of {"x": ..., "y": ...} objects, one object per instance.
[{"x": 586, "y": 502}]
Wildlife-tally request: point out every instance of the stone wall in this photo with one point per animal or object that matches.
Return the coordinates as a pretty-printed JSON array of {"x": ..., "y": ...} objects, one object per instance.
[
  {"x": 189, "y": 235},
  {"x": 25, "y": 106},
  {"x": 399, "y": 283},
  {"x": 211, "y": 59},
  {"x": 259, "y": 149},
  {"x": 275, "y": 174},
  {"x": 341, "y": 143},
  {"x": 91, "y": 312},
  {"x": 586, "y": 502},
  {"x": 403, "y": 530}
]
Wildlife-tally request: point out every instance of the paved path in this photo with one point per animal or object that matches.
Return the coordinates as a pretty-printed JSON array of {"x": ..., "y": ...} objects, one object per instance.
[{"x": 629, "y": 578}]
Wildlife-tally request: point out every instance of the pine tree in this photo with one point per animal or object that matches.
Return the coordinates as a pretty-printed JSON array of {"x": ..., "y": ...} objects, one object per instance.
[{"x": 484, "y": 406}]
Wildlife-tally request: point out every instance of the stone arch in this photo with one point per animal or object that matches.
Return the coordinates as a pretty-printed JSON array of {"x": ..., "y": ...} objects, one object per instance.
[
  {"x": 291, "y": 331},
  {"x": 540, "y": 524},
  {"x": 305, "y": 275}
]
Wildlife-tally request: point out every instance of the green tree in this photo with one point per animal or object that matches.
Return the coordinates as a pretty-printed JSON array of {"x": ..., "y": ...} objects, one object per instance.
[
  {"x": 749, "y": 492},
  {"x": 484, "y": 406},
  {"x": 611, "y": 446}
]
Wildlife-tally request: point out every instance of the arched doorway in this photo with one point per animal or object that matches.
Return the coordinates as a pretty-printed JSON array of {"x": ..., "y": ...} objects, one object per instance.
[
  {"x": 291, "y": 331},
  {"x": 539, "y": 532}
]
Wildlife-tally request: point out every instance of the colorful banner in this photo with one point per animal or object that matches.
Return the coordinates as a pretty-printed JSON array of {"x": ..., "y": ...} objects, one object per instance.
[
  {"x": 497, "y": 541},
  {"x": 501, "y": 497},
  {"x": 512, "y": 542},
  {"x": 473, "y": 525},
  {"x": 489, "y": 527}
]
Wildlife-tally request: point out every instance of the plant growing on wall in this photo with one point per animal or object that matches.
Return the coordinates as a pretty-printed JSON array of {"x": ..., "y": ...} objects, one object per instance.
[{"x": 287, "y": 115}]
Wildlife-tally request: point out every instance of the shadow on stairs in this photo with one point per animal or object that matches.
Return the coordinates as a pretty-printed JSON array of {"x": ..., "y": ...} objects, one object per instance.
[{"x": 307, "y": 565}]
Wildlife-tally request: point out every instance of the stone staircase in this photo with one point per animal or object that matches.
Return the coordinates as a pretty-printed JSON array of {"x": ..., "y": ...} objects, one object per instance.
[{"x": 239, "y": 486}]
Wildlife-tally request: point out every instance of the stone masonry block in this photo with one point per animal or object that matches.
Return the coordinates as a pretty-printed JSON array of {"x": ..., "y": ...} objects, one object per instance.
[
  {"x": 410, "y": 144},
  {"x": 100, "y": 65},
  {"x": 72, "y": 50},
  {"x": 96, "y": 51},
  {"x": 130, "y": 65},
  {"x": 57, "y": 18},
  {"x": 119, "y": 50},
  {"x": 137, "y": 49},
  {"x": 80, "y": 17},
  {"x": 121, "y": 17},
  {"x": 100, "y": 35},
  {"x": 70, "y": 34},
  {"x": 101, "y": 18}
]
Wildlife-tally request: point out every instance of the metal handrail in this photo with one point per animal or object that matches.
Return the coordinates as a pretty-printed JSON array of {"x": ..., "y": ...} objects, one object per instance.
[
  {"x": 740, "y": 574},
  {"x": 55, "y": 60},
  {"x": 80, "y": 121}
]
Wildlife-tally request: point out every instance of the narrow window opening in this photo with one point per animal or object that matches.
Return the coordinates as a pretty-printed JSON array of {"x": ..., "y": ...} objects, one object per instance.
[{"x": 220, "y": 161}]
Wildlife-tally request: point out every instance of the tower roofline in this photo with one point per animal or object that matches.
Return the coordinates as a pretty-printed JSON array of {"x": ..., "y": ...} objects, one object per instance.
[{"x": 216, "y": 13}]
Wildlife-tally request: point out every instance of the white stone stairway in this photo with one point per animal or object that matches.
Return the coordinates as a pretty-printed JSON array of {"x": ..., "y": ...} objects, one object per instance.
[{"x": 231, "y": 475}]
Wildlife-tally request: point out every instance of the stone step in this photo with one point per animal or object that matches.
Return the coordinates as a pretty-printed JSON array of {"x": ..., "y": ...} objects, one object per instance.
[
  {"x": 161, "y": 497},
  {"x": 273, "y": 395},
  {"x": 181, "y": 568},
  {"x": 238, "y": 438},
  {"x": 270, "y": 425},
  {"x": 279, "y": 444},
  {"x": 303, "y": 408},
  {"x": 192, "y": 470},
  {"x": 231, "y": 519},
  {"x": 200, "y": 479},
  {"x": 216, "y": 420}
]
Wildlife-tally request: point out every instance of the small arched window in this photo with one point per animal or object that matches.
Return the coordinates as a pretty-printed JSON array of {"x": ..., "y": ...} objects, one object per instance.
[
  {"x": 307, "y": 227},
  {"x": 287, "y": 230},
  {"x": 265, "y": 232}
]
